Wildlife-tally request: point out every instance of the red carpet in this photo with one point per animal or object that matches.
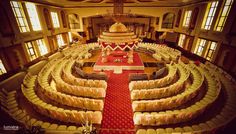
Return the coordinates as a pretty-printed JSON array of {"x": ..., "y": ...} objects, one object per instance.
[{"x": 117, "y": 113}]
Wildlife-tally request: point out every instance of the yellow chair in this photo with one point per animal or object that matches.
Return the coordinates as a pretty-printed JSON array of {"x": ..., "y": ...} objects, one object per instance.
[
  {"x": 62, "y": 128},
  {"x": 71, "y": 128},
  {"x": 53, "y": 127},
  {"x": 141, "y": 131}
]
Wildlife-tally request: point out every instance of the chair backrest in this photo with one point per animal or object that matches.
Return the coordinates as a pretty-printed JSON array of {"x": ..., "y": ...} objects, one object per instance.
[
  {"x": 159, "y": 73},
  {"x": 80, "y": 72}
]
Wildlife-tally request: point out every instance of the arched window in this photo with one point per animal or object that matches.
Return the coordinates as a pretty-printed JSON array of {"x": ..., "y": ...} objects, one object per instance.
[
  {"x": 194, "y": 18},
  {"x": 168, "y": 20},
  {"x": 63, "y": 17},
  {"x": 178, "y": 18},
  {"x": 74, "y": 21},
  {"x": 47, "y": 18}
]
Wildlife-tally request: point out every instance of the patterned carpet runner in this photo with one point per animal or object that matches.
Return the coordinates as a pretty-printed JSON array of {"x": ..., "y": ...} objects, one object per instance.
[{"x": 117, "y": 113}]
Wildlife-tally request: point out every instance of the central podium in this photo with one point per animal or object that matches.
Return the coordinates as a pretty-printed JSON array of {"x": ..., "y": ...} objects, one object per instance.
[{"x": 117, "y": 50}]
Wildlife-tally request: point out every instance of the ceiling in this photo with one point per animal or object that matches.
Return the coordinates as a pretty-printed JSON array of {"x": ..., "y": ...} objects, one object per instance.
[{"x": 101, "y": 3}]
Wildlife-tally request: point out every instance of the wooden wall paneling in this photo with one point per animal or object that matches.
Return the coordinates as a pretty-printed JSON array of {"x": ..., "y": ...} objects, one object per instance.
[
  {"x": 178, "y": 18},
  {"x": 226, "y": 57},
  {"x": 63, "y": 18},
  {"x": 190, "y": 43},
  {"x": 47, "y": 17},
  {"x": 194, "y": 18},
  {"x": 16, "y": 56},
  {"x": 5, "y": 25},
  {"x": 51, "y": 44}
]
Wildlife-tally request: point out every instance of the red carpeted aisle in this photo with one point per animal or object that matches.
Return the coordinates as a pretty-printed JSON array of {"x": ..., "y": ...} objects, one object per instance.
[{"x": 117, "y": 113}]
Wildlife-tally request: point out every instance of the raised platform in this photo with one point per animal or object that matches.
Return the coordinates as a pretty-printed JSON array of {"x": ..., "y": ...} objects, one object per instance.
[{"x": 117, "y": 62}]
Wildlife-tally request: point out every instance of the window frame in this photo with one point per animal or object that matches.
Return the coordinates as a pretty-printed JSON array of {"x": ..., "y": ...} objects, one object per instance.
[
  {"x": 169, "y": 23},
  {"x": 187, "y": 18},
  {"x": 181, "y": 41},
  {"x": 2, "y": 68},
  {"x": 209, "y": 16},
  {"x": 70, "y": 37},
  {"x": 60, "y": 40},
  {"x": 72, "y": 23},
  {"x": 224, "y": 18},
  {"x": 200, "y": 45},
  {"x": 31, "y": 49},
  {"x": 34, "y": 18},
  {"x": 41, "y": 46},
  {"x": 209, "y": 49},
  {"x": 55, "y": 19},
  {"x": 22, "y": 23}
]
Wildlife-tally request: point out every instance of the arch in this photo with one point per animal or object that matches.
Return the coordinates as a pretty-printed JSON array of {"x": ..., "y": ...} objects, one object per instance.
[
  {"x": 63, "y": 17},
  {"x": 178, "y": 18},
  {"x": 168, "y": 20},
  {"x": 74, "y": 21},
  {"x": 47, "y": 18}
]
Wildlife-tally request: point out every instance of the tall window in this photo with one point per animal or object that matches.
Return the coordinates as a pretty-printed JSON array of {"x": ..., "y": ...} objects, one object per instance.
[
  {"x": 33, "y": 16},
  {"x": 70, "y": 36},
  {"x": 187, "y": 18},
  {"x": 209, "y": 15},
  {"x": 223, "y": 15},
  {"x": 2, "y": 68},
  {"x": 60, "y": 40},
  {"x": 181, "y": 40},
  {"x": 74, "y": 21},
  {"x": 200, "y": 47},
  {"x": 20, "y": 16},
  {"x": 211, "y": 50},
  {"x": 168, "y": 20},
  {"x": 55, "y": 20},
  {"x": 42, "y": 47},
  {"x": 30, "y": 50},
  {"x": 206, "y": 48}
]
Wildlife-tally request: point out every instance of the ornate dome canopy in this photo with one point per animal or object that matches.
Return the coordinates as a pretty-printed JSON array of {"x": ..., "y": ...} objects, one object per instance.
[{"x": 118, "y": 28}]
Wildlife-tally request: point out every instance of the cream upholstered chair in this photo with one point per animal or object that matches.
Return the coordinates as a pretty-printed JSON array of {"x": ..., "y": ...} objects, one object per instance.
[
  {"x": 53, "y": 127},
  {"x": 196, "y": 128},
  {"x": 141, "y": 131},
  {"x": 45, "y": 125},
  {"x": 151, "y": 131},
  {"x": 178, "y": 130},
  {"x": 31, "y": 121},
  {"x": 62, "y": 127},
  {"x": 188, "y": 129},
  {"x": 38, "y": 123},
  {"x": 160, "y": 131},
  {"x": 169, "y": 130},
  {"x": 71, "y": 128},
  {"x": 204, "y": 126},
  {"x": 79, "y": 116},
  {"x": 97, "y": 117}
]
